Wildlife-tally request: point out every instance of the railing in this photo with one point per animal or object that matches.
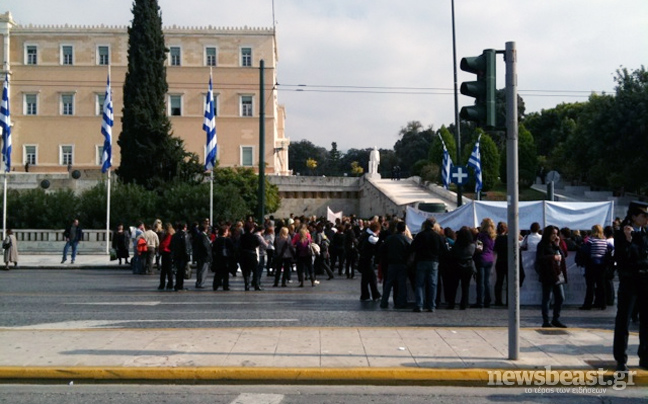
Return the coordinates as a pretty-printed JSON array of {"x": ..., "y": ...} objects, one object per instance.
[{"x": 50, "y": 241}]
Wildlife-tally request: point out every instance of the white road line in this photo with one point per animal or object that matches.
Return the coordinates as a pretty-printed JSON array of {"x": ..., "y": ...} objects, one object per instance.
[
  {"x": 248, "y": 398},
  {"x": 90, "y": 324},
  {"x": 113, "y": 304}
]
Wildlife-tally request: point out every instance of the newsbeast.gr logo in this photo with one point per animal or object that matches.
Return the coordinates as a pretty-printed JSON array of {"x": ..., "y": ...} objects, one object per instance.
[{"x": 565, "y": 381}]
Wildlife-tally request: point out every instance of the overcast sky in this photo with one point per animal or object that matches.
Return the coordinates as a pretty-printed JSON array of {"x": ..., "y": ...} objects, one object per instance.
[{"x": 383, "y": 63}]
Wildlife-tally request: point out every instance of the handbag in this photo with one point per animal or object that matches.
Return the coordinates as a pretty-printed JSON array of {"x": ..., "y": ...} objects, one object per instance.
[
  {"x": 6, "y": 244},
  {"x": 113, "y": 254},
  {"x": 187, "y": 274},
  {"x": 561, "y": 279}
]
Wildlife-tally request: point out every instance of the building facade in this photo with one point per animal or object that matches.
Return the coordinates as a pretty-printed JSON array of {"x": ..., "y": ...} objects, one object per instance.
[{"x": 58, "y": 79}]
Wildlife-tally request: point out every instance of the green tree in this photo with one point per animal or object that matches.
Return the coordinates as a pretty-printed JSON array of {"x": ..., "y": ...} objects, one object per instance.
[
  {"x": 300, "y": 152},
  {"x": 527, "y": 159},
  {"x": 413, "y": 145},
  {"x": 332, "y": 167},
  {"x": 150, "y": 156}
]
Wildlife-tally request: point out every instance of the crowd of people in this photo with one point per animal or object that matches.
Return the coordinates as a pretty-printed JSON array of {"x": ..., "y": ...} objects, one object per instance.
[{"x": 437, "y": 263}]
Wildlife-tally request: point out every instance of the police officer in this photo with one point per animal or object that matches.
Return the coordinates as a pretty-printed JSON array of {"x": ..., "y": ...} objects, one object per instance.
[{"x": 631, "y": 254}]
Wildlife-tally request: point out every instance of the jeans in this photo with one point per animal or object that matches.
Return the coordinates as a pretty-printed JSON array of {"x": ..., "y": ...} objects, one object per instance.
[
  {"x": 483, "y": 283},
  {"x": 69, "y": 244},
  {"x": 631, "y": 292},
  {"x": 559, "y": 297},
  {"x": 427, "y": 273},
  {"x": 395, "y": 273}
]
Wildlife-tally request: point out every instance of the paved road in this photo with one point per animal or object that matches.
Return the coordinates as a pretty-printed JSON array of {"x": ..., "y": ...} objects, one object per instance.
[
  {"x": 117, "y": 298},
  {"x": 143, "y": 394}
]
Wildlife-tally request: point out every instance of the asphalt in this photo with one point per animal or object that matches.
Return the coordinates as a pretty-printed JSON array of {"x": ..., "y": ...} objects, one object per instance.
[{"x": 299, "y": 355}]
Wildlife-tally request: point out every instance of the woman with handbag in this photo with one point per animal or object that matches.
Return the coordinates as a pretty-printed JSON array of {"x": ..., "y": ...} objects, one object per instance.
[
  {"x": 550, "y": 260},
  {"x": 10, "y": 247},
  {"x": 304, "y": 256}
]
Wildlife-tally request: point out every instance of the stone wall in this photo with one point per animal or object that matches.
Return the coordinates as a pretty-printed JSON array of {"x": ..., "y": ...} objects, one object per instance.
[
  {"x": 51, "y": 241},
  {"x": 303, "y": 195}
]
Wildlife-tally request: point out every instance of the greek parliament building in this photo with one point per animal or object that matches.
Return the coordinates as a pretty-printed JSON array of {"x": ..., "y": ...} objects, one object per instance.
[{"x": 58, "y": 77}]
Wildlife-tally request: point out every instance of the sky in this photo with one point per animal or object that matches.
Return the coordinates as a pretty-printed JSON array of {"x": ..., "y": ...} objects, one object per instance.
[{"x": 368, "y": 67}]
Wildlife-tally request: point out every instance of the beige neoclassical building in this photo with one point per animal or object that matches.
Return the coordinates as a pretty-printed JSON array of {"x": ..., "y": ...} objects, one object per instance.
[{"x": 58, "y": 78}]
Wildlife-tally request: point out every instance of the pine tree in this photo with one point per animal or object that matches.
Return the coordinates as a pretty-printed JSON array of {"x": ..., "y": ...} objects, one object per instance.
[{"x": 150, "y": 155}]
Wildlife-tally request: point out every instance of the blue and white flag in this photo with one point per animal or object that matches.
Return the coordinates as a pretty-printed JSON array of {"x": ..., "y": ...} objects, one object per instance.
[
  {"x": 209, "y": 126},
  {"x": 475, "y": 162},
  {"x": 106, "y": 129},
  {"x": 5, "y": 125},
  {"x": 446, "y": 167}
]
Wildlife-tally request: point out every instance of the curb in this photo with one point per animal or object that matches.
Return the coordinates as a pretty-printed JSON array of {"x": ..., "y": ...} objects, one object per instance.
[{"x": 347, "y": 376}]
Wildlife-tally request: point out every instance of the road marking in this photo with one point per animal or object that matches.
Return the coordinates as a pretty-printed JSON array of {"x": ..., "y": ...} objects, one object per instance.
[
  {"x": 114, "y": 304},
  {"x": 248, "y": 398},
  {"x": 81, "y": 324}
]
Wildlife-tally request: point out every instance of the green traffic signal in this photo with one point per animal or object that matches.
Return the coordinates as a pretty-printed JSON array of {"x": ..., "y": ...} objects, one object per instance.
[{"x": 483, "y": 90}]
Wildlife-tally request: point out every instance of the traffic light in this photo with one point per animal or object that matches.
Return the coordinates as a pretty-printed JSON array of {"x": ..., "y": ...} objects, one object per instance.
[{"x": 483, "y": 112}]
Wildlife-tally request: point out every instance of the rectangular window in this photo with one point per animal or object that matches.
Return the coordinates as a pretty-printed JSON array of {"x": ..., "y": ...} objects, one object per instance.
[
  {"x": 67, "y": 55},
  {"x": 247, "y": 156},
  {"x": 210, "y": 56},
  {"x": 103, "y": 55},
  {"x": 30, "y": 154},
  {"x": 246, "y": 57},
  {"x": 66, "y": 155},
  {"x": 67, "y": 104},
  {"x": 32, "y": 54},
  {"x": 100, "y": 103},
  {"x": 174, "y": 53},
  {"x": 175, "y": 105},
  {"x": 31, "y": 104},
  {"x": 99, "y": 149},
  {"x": 246, "y": 105}
]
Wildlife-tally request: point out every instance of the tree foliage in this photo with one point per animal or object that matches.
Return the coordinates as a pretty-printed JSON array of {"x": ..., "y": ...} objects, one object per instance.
[
  {"x": 413, "y": 145},
  {"x": 150, "y": 155}
]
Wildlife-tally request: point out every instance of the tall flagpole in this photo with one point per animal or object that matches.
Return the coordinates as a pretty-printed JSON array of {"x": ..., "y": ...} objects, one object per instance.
[
  {"x": 5, "y": 125},
  {"x": 106, "y": 129},
  {"x": 211, "y": 179},
  {"x": 108, "y": 217}
]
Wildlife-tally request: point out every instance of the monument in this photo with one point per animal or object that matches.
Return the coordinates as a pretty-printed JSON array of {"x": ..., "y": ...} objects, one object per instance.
[{"x": 374, "y": 161}]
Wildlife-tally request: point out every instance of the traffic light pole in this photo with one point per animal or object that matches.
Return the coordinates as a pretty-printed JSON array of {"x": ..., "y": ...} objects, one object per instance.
[
  {"x": 512, "y": 190},
  {"x": 456, "y": 100}
]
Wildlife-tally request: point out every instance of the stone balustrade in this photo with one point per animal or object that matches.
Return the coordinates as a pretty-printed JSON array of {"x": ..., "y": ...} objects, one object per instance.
[{"x": 51, "y": 241}]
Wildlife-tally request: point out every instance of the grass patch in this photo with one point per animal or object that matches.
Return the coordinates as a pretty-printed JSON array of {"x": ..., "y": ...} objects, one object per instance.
[{"x": 498, "y": 193}]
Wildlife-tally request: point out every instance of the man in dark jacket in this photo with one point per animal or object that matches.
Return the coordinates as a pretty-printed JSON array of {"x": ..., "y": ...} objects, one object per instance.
[
  {"x": 180, "y": 254},
  {"x": 203, "y": 254},
  {"x": 395, "y": 251},
  {"x": 368, "y": 246},
  {"x": 428, "y": 246},
  {"x": 72, "y": 234}
]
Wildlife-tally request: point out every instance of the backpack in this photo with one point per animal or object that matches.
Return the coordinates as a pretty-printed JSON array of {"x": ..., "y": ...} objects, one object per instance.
[
  {"x": 141, "y": 246},
  {"x": 583, "y": 255}
]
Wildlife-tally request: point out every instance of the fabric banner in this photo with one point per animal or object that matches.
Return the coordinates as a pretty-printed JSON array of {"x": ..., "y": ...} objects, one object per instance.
[
  {"x": 330, "y": 216},
  {"x": 575, "y": 215}
]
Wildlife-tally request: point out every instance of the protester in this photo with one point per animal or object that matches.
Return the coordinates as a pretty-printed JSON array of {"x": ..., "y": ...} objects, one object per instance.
[
  {"x": 484, "y": 258},
  {"x": 121, "y": 244},
  {"x": 553, "y": 274},
  {"x": 368, "y": 246},
  {"x": 10, "y": 247},
  {"x": 461, "y": 268},
  {"x": 166, "y": 267},
  {"x": 73, "y": 234},
  {"x": 428, "y": 246}
]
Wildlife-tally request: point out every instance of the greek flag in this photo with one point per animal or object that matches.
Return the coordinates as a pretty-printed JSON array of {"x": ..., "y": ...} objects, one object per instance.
[
  {"x": 446, "y": 168},
  {"x": 209, "y": 126},
  {"x": 5, "y": 125},
  {"x": 475, "y": 162},
  {"x": 106, "y": 129}
]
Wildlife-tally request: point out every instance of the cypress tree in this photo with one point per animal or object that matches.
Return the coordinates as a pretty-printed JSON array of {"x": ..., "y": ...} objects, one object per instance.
[{"x": 150, "y": 155}]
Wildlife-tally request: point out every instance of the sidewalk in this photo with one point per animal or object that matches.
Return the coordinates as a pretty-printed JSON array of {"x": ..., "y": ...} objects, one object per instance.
[
  {"x": 405, "y": 355},
  {"x": 102, "y": 351},
  {"x": 83, "y": 261}
]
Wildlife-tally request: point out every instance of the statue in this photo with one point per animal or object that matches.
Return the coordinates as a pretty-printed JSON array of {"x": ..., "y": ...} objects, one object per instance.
[{"x": 374, "y": 161}]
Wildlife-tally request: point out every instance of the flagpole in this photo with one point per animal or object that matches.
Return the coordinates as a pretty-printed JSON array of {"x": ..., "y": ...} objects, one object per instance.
[
  {"x": 4, "y": 209},
  {"x": 108, "y": 217},
  {"x": 108, "y": 189}
]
